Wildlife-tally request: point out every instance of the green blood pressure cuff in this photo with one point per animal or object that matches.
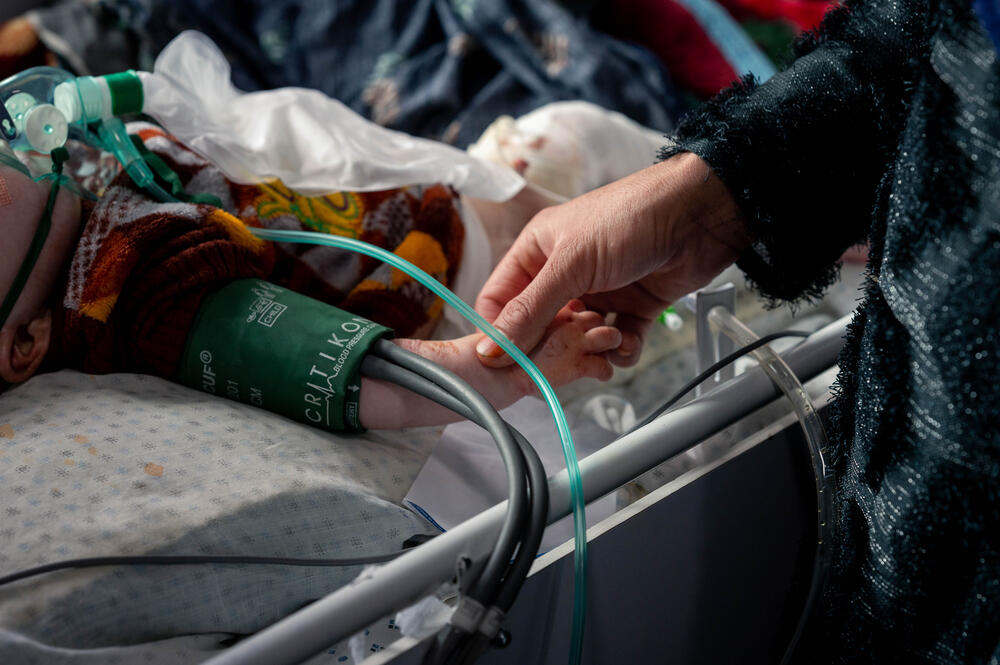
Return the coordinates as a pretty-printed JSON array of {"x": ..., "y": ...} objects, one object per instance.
[{"x": 261, "y": 344}]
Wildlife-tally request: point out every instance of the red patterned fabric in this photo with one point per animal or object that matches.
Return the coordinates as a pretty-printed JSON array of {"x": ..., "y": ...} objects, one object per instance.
[{"x": 142, "y": 268}]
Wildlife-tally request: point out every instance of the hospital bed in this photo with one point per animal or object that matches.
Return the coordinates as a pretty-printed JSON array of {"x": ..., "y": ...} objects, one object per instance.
[
  {"x": 742, "y": 575},
  {"x": 724, "y": 547},
  {"x": 661, "y": 582}
]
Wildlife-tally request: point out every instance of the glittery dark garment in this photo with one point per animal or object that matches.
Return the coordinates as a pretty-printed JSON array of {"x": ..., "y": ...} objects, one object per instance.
[{"x": 887, "y": 128}]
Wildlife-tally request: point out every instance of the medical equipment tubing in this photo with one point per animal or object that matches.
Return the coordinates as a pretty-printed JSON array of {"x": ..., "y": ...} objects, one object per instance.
[
  {"x": 42, "y": 106},
  {"x": 816, "y": 443},
  {"x": 548, "y": 394},
  {"x": 352, "y": 608},
  {"x": 418, "y": 375}
]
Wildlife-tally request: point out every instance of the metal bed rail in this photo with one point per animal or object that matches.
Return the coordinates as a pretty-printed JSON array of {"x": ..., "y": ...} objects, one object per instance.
[{"x": 402, "y": 581}]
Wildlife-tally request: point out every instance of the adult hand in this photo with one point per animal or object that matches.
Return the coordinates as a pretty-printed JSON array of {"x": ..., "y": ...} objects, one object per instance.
[{"x": 629, "y": 248}]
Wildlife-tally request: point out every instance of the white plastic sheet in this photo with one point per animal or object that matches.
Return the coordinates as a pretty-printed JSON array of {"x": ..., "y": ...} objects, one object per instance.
[
  {"x": 568, "y": 148},
  {"x": 311, "y": 142}
]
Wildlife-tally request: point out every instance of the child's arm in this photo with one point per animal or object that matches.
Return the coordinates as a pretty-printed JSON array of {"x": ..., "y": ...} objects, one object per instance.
[{"x": 573, "y": 348}]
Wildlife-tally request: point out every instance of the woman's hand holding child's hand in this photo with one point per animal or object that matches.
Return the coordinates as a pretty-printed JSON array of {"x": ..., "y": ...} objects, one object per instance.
[{"x": 575, "y": 345}]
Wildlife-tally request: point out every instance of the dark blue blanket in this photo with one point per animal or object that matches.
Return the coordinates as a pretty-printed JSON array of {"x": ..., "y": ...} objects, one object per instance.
[{"x": 443, "y": 69}]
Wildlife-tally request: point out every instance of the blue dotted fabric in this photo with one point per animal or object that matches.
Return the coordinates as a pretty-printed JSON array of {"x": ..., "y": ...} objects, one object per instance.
[{"x": 128, "y": 464}]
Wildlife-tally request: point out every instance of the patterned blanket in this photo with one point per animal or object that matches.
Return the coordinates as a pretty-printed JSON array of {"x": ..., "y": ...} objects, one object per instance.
[{"x": 142, "y": 268}]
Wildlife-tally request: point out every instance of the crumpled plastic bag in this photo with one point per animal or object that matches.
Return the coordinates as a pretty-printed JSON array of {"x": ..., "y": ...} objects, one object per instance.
[
  {"x": 311, "y": 142},
  {"x": 568, "y": 148}
]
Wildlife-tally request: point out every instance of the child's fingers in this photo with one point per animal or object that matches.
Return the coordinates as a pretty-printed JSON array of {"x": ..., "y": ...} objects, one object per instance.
[
  {"x": 601, "y": 339},
  {"x": 596, "y": 367},
  {"x": 570, "y": 311},
  {"x": 588, "y": 319}
]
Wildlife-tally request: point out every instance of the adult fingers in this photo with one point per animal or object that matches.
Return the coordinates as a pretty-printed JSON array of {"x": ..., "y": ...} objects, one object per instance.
[
  {"x": 525, "y": 317},
  {"x": 512, "y": 274},
  {"x": 634, "y": 299}
]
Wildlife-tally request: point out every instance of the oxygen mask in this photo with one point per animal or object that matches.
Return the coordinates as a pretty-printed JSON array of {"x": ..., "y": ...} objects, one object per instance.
[{"x": 43, "y": 107}]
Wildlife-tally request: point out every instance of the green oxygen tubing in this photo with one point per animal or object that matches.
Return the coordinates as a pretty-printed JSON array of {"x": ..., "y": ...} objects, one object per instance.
[{"x": 566, "y": 439}]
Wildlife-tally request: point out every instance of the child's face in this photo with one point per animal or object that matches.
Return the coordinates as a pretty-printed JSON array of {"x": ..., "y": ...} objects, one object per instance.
[{"x": 22, "y": 202}]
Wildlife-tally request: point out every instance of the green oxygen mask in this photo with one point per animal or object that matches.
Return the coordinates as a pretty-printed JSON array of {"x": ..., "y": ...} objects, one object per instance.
[{"x": 40, "y": 109}]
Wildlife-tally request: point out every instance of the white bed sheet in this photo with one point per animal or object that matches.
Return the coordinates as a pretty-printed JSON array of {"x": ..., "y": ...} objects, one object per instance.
[{"x": 465, "y": 475}]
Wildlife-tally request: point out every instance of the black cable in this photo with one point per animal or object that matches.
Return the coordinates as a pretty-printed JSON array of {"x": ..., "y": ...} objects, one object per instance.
[
  {"x": 538, "y": 483},
  {"x": 701, "y": 378},
  {"x": 485, "y": 586},
  {"x": 473, "y": 648},
  {"x": 457, "y": 646},
  {"x": 428, "y": 385},
  {"x": 452, "y": 641},
  {"x": 817, "y": 578},
  {"x": 379, "y": 368},
  {"x": 188, "y": 560}
]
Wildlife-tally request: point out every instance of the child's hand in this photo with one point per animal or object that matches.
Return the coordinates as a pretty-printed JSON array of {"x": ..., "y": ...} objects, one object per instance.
[{"x": 574, "y": 346}]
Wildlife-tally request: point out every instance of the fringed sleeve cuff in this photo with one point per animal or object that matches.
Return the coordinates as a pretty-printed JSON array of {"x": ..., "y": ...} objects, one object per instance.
[{"x": 804, "y": 154}]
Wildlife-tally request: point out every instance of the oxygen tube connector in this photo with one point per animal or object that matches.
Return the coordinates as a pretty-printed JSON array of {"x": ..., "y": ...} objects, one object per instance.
[
  {"x": 41, "y": 107},
  {"x": 93, "y": 98},
  {"x": 101, "y": 99}
]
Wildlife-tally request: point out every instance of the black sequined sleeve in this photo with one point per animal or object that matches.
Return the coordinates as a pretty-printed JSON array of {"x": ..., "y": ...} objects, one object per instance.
[{"x": 804, "y": 153}]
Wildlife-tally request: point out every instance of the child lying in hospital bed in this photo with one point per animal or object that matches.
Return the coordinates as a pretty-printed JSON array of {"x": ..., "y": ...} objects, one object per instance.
[
  {"x": 123, "y": 297},
  {"x": 118, "y": 289}
]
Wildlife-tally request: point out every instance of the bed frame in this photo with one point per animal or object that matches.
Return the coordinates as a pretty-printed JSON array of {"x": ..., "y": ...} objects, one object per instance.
[{"x": 659, "y": 582}]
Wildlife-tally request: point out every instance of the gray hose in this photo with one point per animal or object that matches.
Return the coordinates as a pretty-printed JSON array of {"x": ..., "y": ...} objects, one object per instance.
[{"x": 457, "y": 647}]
